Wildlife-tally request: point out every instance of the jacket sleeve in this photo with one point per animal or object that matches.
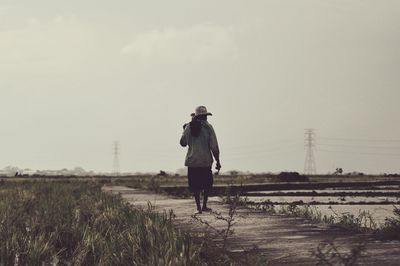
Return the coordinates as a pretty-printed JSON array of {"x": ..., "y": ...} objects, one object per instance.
[
  {"x": 214, "y": 143},
  {"x": 184, "y": 137}
]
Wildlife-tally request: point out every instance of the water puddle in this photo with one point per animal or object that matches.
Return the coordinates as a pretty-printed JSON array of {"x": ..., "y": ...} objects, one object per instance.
[{"x": 294, "y": 237}]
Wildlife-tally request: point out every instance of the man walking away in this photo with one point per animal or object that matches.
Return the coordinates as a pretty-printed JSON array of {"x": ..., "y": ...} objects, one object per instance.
[{"x": 199, "y": 135}]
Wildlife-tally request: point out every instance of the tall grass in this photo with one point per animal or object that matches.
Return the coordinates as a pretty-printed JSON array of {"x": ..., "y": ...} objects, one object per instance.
[
  {"x": 391, "y": 227},
  {"x": 75, "y": 223}
]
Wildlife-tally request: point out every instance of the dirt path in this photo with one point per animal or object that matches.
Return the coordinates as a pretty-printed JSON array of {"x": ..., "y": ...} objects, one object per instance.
[{"x": 285, "y": 241}]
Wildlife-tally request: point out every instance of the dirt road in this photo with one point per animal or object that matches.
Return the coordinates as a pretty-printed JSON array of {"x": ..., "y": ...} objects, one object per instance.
[{"x": 284, "y": 240}]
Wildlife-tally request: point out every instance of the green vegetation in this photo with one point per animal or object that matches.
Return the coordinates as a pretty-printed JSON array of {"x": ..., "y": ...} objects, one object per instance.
[{"x": 75, "y": 223}]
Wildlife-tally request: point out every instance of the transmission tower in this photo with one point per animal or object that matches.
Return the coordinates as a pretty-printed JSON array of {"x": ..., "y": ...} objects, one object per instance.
[
  {"x": 115, "y": 169},
  {"x": 310, "y": 167}
]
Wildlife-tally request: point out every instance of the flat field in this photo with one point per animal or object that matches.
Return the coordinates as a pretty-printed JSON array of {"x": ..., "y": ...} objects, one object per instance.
[{"x": 68, "y": 220}]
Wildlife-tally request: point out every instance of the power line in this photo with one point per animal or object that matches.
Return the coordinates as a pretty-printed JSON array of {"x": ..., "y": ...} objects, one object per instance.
[
  {"x": 356, "y": 139},
  {"x": 263, "y": 144},
  {"x": 261, "y": 149},
  {"x": 258, "y": 155},
  {"x": 231, "y": 150},
  {"x": 360, "y": 153},
  {"x": 357, "y": 146}
]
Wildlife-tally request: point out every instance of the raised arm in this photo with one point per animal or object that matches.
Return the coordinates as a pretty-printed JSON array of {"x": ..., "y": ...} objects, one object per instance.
[{"x": 184, "y": 137}]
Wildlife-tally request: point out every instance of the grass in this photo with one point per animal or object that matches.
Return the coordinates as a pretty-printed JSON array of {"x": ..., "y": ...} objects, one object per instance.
[
  {"x": 72, "y": 222},
  {"x": 307, "y": 212},
  {"x": 363, "y": 222},
  {"x": 391, "y": 227},
  {"x": 75, "y": 223},
  {"x": 328, "y": 253}
]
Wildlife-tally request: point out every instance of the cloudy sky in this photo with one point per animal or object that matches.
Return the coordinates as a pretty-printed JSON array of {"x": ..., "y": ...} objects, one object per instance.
[{"x": 76, "y": 75}]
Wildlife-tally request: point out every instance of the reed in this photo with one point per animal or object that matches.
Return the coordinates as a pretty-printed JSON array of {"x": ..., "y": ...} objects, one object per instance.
[{"x": 75, "y": 223}]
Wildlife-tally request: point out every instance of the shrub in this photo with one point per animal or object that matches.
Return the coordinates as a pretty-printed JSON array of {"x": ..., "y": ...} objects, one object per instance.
[
  {"x": 291, "y": 177},
  {"x": 391, "y": 227}
]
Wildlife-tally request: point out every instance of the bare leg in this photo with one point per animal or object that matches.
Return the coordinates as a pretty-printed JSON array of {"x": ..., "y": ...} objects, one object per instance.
[
  {"x": 205, "y": 200},
  {"x": 197, "y": 199}
]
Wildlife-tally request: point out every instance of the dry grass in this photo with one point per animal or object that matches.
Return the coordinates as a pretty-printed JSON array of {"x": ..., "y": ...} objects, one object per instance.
[{"x": 75, "y": 223}]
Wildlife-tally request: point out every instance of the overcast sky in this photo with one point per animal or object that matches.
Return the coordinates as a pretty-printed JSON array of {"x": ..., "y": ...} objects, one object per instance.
[{"x": 76, "y": 75}]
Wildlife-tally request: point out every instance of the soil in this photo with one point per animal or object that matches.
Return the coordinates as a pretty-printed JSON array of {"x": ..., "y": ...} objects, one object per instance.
[{"x": 283, "y": 240}]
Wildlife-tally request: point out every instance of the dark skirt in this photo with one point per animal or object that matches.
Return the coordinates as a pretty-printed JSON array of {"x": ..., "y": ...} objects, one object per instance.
[{"x": 200, "y": 178}]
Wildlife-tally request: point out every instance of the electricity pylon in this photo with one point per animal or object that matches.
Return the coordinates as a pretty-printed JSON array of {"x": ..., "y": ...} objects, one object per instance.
[
  {"x": 310, "y": 167},
  {"x": 115, "y": 169}
]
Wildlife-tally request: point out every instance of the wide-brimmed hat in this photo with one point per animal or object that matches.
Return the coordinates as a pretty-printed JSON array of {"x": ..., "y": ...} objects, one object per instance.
[{"x": 200, "y": 110}]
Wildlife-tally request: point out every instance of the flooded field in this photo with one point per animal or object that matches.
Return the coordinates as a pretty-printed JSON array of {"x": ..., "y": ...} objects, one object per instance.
[
  {"x": 378, "y": 212},
  {"x": 378, "y": 201},
  {"x": 380, "y": 208},
  {"x": 377, "y": 196},
  {"x": 323, "y": 200}
]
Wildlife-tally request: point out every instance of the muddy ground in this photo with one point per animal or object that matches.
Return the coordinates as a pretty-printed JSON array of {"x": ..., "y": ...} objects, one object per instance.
[{"x": 283, "y": 240}]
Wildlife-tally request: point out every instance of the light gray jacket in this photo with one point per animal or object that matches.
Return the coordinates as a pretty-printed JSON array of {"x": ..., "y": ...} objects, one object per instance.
[{"x": 201, "y": 148}]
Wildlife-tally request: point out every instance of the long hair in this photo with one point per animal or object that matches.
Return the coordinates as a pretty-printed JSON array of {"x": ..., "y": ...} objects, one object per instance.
[{"x": 195, "y": 125}]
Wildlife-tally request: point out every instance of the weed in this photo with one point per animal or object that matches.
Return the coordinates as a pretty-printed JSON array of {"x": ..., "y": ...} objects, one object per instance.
[
  {"x": 247, "y": 257},
  {"x": 229, "y": 222},
  {"x": 306, "y": 211},
  {"x": 75, "y": 223},
  {"x": 266, "y": 206},
  {"x": 154, "y": 185},
  {"x": 363, "y": 222},
  {"x": 391, "y": 228},
  {"x": 328, "y": 253}
]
